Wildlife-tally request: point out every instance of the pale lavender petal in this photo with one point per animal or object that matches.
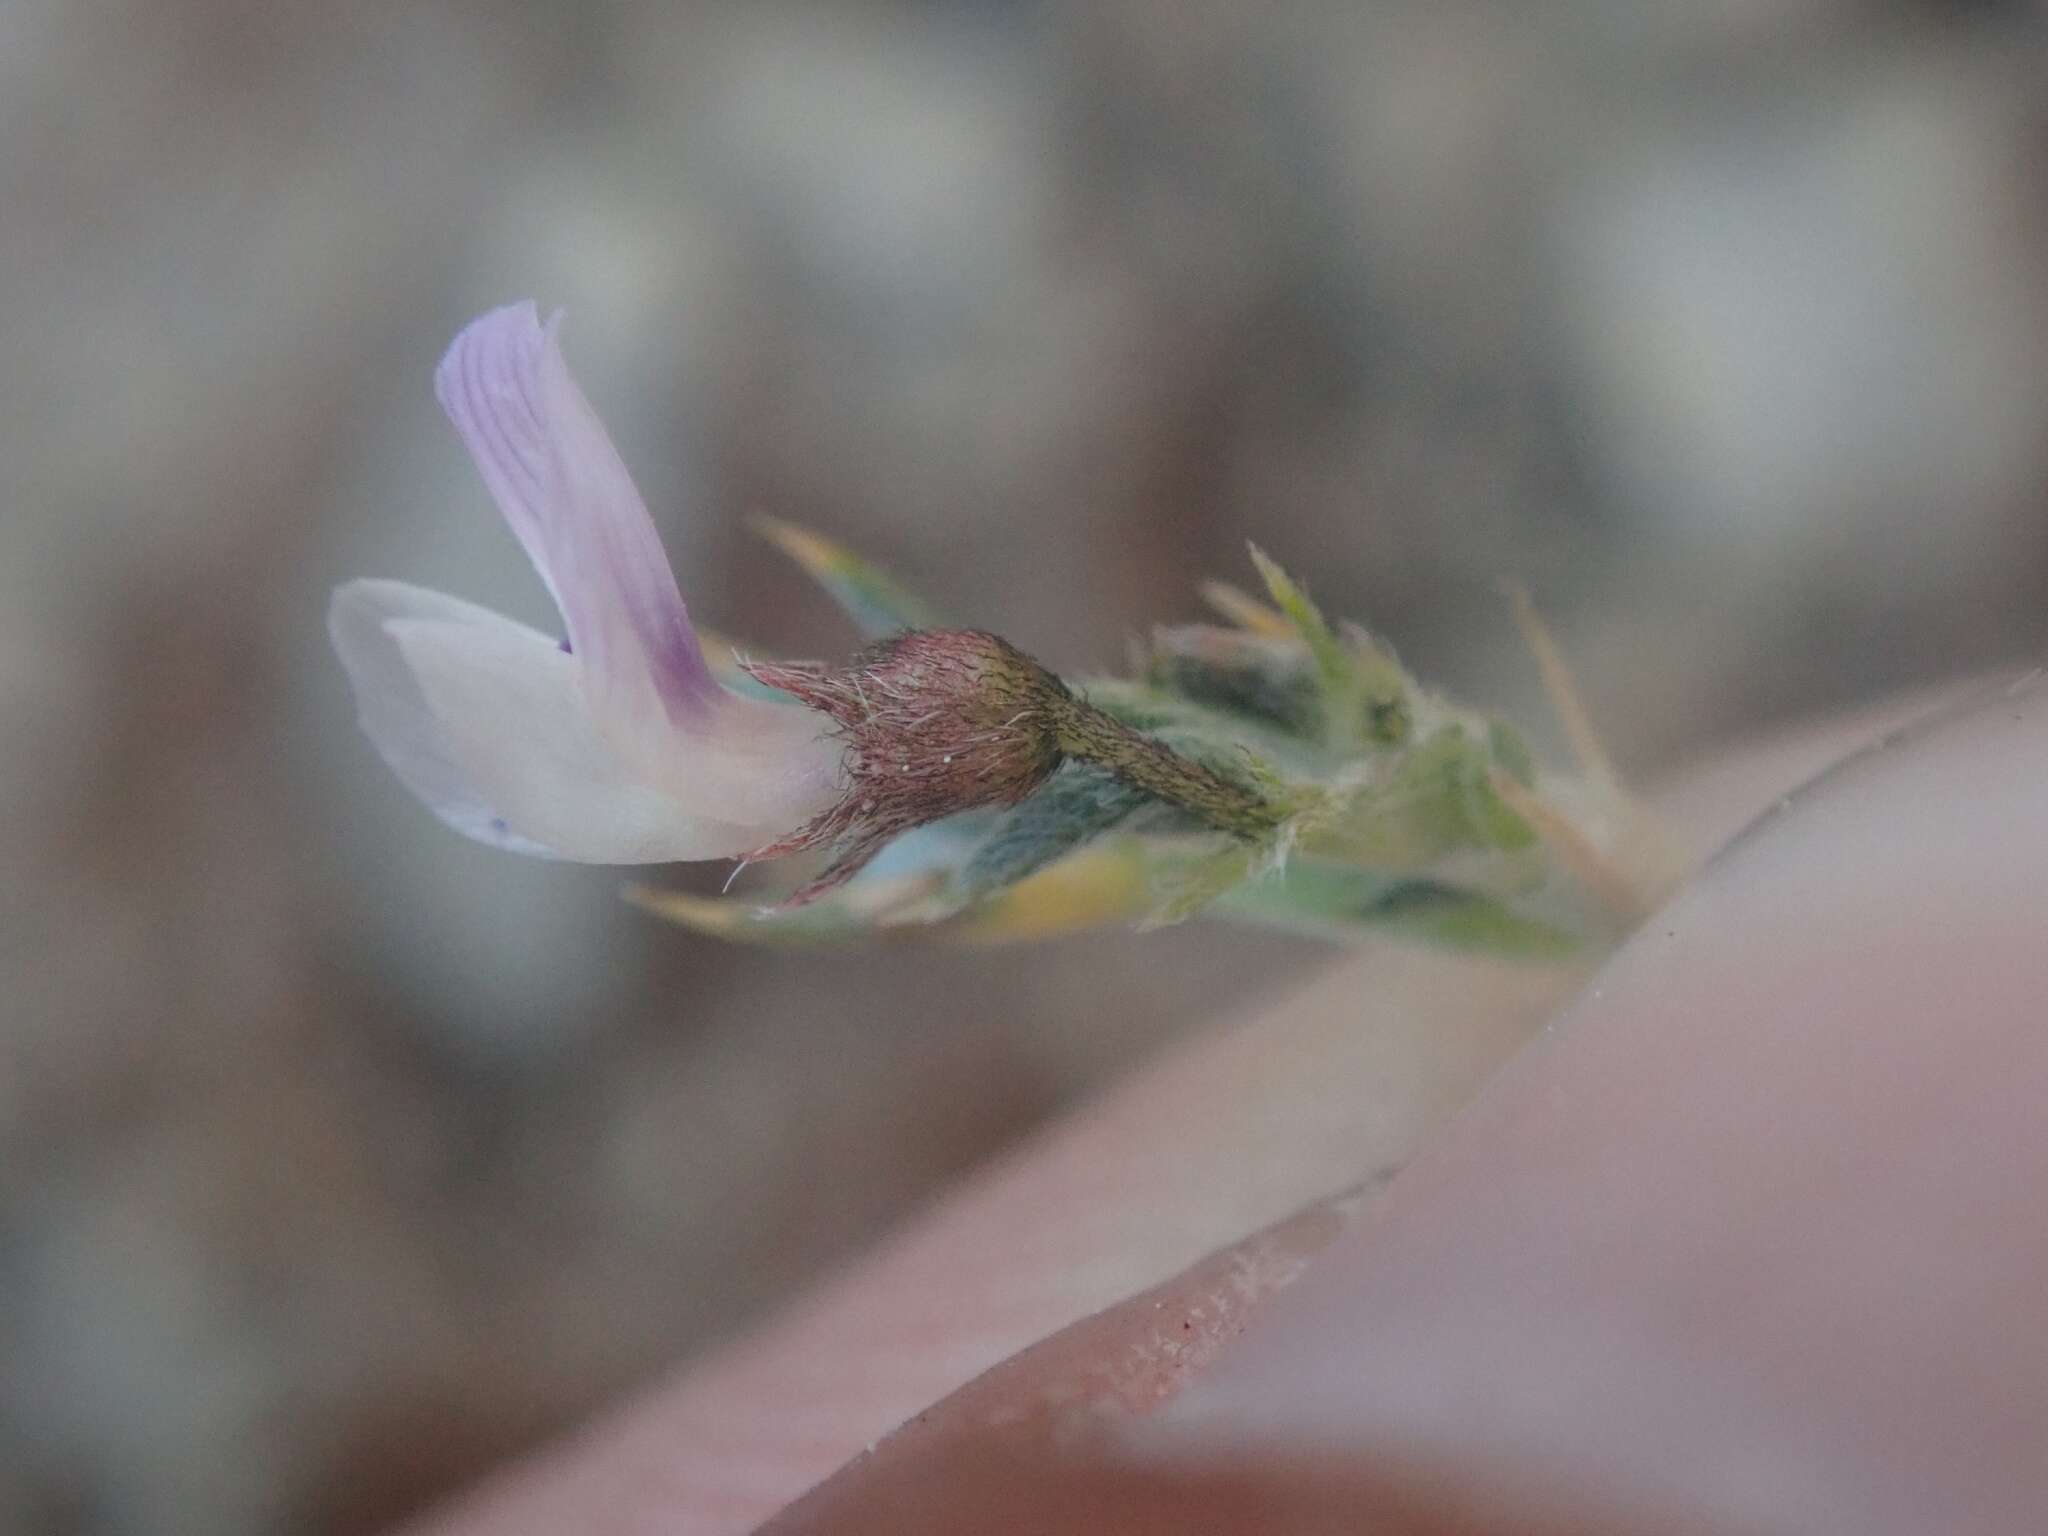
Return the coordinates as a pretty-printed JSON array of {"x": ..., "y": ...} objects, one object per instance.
[
  {"x": 615, "y": 744},
  {"x": 485, "y": 721},
  {"x": 560, "y": 483},
  {"x": 511, "y": 712},
  {"x": 488, "y": 722}
]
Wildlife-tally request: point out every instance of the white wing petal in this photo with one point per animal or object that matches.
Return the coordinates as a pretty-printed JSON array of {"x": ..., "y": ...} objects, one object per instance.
[
  {"x": 393, "y": 710},
  {"x": 486, "y": 721}
]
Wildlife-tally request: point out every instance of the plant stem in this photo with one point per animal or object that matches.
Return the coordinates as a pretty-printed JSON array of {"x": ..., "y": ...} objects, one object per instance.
[{"x": 1144, "y": 762}]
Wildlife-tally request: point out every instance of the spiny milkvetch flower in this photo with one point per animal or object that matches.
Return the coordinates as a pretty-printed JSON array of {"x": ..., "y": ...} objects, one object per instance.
[
  {"x": 616, "y": 745},
  {"x": 1287, "y": 769}
]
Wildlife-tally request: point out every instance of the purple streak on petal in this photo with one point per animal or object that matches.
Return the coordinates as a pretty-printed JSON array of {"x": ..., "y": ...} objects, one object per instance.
[{"x": 562, "y": 487}]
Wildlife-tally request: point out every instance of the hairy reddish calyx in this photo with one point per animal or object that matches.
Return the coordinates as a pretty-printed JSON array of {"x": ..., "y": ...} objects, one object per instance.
[{"x": 938, "y": 721}]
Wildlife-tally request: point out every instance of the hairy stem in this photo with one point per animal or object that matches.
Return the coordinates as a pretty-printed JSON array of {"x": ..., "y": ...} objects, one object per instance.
[{"x": 1143, "y": 762}]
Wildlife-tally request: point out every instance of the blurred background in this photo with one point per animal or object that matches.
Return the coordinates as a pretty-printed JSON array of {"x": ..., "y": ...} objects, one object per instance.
[{"x": 340, "y": 1158}]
